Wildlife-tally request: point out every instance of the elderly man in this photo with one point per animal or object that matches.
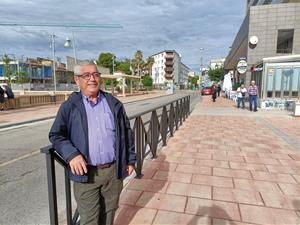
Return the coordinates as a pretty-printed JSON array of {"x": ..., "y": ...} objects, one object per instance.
[
  {"x": 92, "y": 134},
  {"x": 253, "y": 92}
]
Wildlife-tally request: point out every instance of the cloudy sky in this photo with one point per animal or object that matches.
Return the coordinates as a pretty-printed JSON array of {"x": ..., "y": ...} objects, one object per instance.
[{"x": 148, "y": 25}]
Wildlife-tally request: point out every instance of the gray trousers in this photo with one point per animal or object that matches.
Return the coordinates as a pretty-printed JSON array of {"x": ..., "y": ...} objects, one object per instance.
[{"x": 98, "y": 199}]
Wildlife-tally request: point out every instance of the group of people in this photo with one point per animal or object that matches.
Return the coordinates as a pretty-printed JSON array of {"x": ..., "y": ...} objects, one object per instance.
[
  {"x": 5, "y": 94},
  {"x": 252, "y": 92},
  {"x": 216, "y": 90}
]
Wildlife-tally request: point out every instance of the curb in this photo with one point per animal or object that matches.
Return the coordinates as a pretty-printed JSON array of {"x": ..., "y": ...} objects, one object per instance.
[{"x": 26, "y": 122}]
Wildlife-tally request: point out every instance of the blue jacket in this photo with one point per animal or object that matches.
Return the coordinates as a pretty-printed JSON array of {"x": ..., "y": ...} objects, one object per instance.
[{"x": 69, "y": 134}]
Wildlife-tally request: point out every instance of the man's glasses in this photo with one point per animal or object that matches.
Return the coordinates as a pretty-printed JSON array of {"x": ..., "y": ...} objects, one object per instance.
[{"x": 88, "y": 76}]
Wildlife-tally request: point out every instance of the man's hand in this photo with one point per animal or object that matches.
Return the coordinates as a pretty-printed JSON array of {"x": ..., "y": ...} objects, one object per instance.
[
  {"x": 130, "y": 169},
  {"x": 78, "y": 165}
]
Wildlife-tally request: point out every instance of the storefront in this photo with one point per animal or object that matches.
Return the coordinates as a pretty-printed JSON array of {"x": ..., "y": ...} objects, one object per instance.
[{"x": 280, "y": 81}]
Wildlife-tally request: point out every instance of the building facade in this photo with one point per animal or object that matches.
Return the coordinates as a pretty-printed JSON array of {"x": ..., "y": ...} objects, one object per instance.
[
  {"x": 216, "y": 63},
  {"x": 168, "y": 68},
  {"x": 271, "y": 29}
]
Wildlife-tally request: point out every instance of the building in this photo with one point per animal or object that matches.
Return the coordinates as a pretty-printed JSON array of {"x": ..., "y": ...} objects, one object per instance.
[
  {"x": 217, "y": 63},
  {"x": 270, "y": 32},
  {"x": 168, "y": 68},
  {"x": 184, "y": 75}
]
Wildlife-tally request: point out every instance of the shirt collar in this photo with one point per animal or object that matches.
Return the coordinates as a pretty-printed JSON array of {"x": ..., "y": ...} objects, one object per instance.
[{"x": 88, "y": 101}]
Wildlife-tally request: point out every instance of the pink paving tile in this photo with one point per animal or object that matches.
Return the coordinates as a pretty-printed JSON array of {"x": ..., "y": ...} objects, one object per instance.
[
  {"x": 273, "y": 156},
  {"x": 134, "y": 216},
  {"x": 237, "y": 196},
  {"x": 162, "y": 201},
  {"x": 228, "y": 222},
  {"x": 263, "y": 215},
  {"x": 148, "y": 185},
  {"x": 129, "y": 197},
  {"x": 278, "y": 200},
  {"x": 247, "y": 166},
  {"x": 192, "y": 190},
  {"x": 181, "y": 160},
  {"x": 165, "y": 217},
  {"x": 212, "y": 181},
  {"x": 212, "y": 163},
  {"x": 290, "y": 162},
  {"x": 274, "y": 177},
  {"x": 148, "y": 173},
  {"x": 196, "y": 155},
  {"x": 297, "y": 178},
  {"x": 283, "y": 169},
  {"x": 290, "y": 189},
  {"x": 228, "y": 158},
  {"x": 211, "y": 208},
  {"x": 194, "y": 169},
  {"x": 295, "y": 156},
  {"x": 255, "y": 185},
  {"x": 173, "y": 176},
  {"x": 262, "y": 160},
  {"x": 223, "y": 172}
]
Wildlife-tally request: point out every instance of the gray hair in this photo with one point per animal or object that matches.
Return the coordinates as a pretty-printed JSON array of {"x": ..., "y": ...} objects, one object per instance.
[{"x": 83, "y": 63}]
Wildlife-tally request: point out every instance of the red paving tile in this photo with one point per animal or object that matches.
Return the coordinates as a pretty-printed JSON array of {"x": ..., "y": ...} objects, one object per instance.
[
  {"x": 212, "y": 181},
  {"x": 236, "y": 195},
  {"x": 278, "y": 200},
  {"x": 216, "y": 209},
  {"x": 290, "y": 189},
  {"x": 165, "y": 217},
  {"x": 263, "y": 215},
  {"x": 232, "y": 173},
  {"x": 194, "y": 169},
  {"x": 173, "y": 176},
  {"x": 191, "y": 190},
  {"x": 274, "y": 177},
  {"x": 255, "y": 185}
]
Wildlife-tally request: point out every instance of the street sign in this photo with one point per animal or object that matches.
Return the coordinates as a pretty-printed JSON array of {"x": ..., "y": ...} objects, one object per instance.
[{"x": 242, "y": 66}]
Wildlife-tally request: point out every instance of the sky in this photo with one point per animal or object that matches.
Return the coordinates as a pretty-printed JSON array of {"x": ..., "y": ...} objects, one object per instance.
[{"x": 151, "y": 26}]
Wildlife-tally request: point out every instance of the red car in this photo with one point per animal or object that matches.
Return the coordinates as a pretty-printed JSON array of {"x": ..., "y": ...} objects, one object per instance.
[{"x": 206, "y": 91}]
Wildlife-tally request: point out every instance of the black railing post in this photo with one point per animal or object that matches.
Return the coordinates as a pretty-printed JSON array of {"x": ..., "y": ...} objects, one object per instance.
[
  {"x": 180, "y": 111},
  {"x": 164, "y": 125},
  {"x": 51, "y": 186},
  {"x": 138, "y": 146},
  {"x": 154, "y": 134},
  {"x": 68, "y": 198}
]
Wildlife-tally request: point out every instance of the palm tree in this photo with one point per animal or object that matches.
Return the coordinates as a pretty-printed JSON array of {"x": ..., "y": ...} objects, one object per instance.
[
  {"x": 150, "y": 62},
  {"x": 138, "y": 56}
]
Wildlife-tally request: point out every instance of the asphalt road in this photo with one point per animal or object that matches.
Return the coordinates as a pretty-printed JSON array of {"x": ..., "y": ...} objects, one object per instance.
[{"x": 23, "y": 184}]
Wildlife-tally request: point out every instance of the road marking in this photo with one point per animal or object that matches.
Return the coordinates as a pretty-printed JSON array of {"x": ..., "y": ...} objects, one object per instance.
[
  {"x": 20, "y": 158},
  {"x": 13, "y": 127}
]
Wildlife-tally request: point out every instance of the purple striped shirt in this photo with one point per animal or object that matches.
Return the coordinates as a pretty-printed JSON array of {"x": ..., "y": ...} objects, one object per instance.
[
  {"x": 101, "y": 131},
  {"x": 253, "y": 90}
]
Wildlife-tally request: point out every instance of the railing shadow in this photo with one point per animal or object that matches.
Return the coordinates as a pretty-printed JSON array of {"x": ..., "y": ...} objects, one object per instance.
[{"x": 164, "y": 121}]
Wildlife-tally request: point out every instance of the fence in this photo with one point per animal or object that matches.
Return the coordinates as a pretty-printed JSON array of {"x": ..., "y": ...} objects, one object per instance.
[{"x": 164, "y": 121}]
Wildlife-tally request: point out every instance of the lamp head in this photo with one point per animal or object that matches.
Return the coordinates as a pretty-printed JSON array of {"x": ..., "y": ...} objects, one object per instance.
[{"x": 68, "y": 43}]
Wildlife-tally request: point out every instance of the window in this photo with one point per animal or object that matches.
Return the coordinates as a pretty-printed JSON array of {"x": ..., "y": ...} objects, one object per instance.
[
  {"x": 287, "y": 75},
  {"x": 278, "y": 78},
  {"x": 295, "y": 82},
  {"x": 285, "y": 41},
  {"x": 270, "y": 79}
]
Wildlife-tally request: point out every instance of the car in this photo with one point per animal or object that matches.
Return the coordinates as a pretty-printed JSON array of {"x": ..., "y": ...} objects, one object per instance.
[{"x": 206, "y": 91}]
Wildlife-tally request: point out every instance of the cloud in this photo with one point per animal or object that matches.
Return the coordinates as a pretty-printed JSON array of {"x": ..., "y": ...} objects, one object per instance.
[{"x": 149, "y": 25}]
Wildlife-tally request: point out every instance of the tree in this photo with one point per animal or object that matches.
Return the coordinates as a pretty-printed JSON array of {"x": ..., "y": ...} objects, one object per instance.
[
  {"x": 124, "y": 66},
  {"x": 138, "y": 61},
  {"x": 193, "y": 80},
  {"x": 216, "y": 74},
  {"x": 22, "y": 77},
  {"x": 150, "y": 62},
  {"x": 105, "y": 60},
  {"x": 7, "y": 70},
  {"x": 147, "y": 81}
]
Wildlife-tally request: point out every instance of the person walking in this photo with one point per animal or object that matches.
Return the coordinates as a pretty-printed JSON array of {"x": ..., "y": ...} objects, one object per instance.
[
  {"x": 253, "y": 92},
  {"x": 92, "y": 133},
  {"x": 219, "y": 89},
  {"x": 214, "y": 89},
  {"x": 241, "y": 93},
  {"x": 2, "y": 99}
]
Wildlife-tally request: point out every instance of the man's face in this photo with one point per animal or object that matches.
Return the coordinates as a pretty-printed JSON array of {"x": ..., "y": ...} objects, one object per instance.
[
  {"x": 89, "y": 87},
  {"x": 253, "y": 82}
]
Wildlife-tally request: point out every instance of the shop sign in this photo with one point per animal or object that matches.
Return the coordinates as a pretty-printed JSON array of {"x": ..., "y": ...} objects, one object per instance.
[{"x": 242, "y": 66}]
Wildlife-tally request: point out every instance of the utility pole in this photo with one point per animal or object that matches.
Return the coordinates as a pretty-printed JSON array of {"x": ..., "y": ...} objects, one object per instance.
[{"x": 52, "y": 45}]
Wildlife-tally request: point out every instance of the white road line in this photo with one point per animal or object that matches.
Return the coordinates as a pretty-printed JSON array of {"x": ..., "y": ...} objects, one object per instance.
[{"x": 20, "y": 158}]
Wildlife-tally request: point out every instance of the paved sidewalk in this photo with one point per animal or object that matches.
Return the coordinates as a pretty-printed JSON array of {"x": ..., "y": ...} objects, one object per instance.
[
  {"x": 223, "y": 166},
  {"x": 25, "y": 115}
]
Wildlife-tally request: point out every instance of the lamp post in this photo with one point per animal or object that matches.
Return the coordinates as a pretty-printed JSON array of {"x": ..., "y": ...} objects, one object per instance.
[
  {"x": 52, "y": 45},
  {"x": 69, "y": 44},
  {"x": 113, "y": 65},
  {"x": 201, "y": 65}
]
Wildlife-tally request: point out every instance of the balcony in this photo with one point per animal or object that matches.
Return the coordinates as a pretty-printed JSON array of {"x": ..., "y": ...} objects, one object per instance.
[
  {"x": 169, "y": 62},
  {"x": 169, "y": 76},
  {"x": 169, "y": 69},
  {"x": 169, "y": 55}
]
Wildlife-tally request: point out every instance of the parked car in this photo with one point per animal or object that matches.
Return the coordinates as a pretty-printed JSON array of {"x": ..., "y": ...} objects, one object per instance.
[{"x": 206, "y": 91}]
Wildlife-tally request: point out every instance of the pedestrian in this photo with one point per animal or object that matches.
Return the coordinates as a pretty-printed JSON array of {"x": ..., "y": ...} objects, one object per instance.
[
  {"x": 92, "y": 134},
  {"x": 219, "y": 89},
  {"x": 214, "y": 89},
  {"x": 2, "y": 99},
  {"x": 253, "y": 92},
  {"x": 241, "y": 93}
]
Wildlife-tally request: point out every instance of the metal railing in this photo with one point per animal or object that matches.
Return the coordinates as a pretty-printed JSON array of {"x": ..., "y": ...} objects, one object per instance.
[{"x": 165, "y": 119}]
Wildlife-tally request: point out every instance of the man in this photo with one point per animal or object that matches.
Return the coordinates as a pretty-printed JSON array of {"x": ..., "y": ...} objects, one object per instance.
[
  {"x": 92, "y": 134},
  {"x": 241, "y": 93},
  {"x": 214, "y": 90},
  {"x": 253, "y": 91}
]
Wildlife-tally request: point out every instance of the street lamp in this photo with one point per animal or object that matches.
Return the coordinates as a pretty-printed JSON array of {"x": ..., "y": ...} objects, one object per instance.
[
  {"x": 52, "y": 45},
  {"x": 201, "y": 65},
  {"x": 71, "y": 43},
  {"x": 113, "y": 64}
]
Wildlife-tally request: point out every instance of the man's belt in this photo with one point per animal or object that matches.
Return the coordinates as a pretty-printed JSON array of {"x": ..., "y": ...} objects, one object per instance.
[{"x": 103, "y": 166}]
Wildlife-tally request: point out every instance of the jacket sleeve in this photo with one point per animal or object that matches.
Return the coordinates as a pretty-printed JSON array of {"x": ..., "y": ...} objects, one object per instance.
[
  {"x": 58, "y": 136},
  {"x": 129, "y": 140}
]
